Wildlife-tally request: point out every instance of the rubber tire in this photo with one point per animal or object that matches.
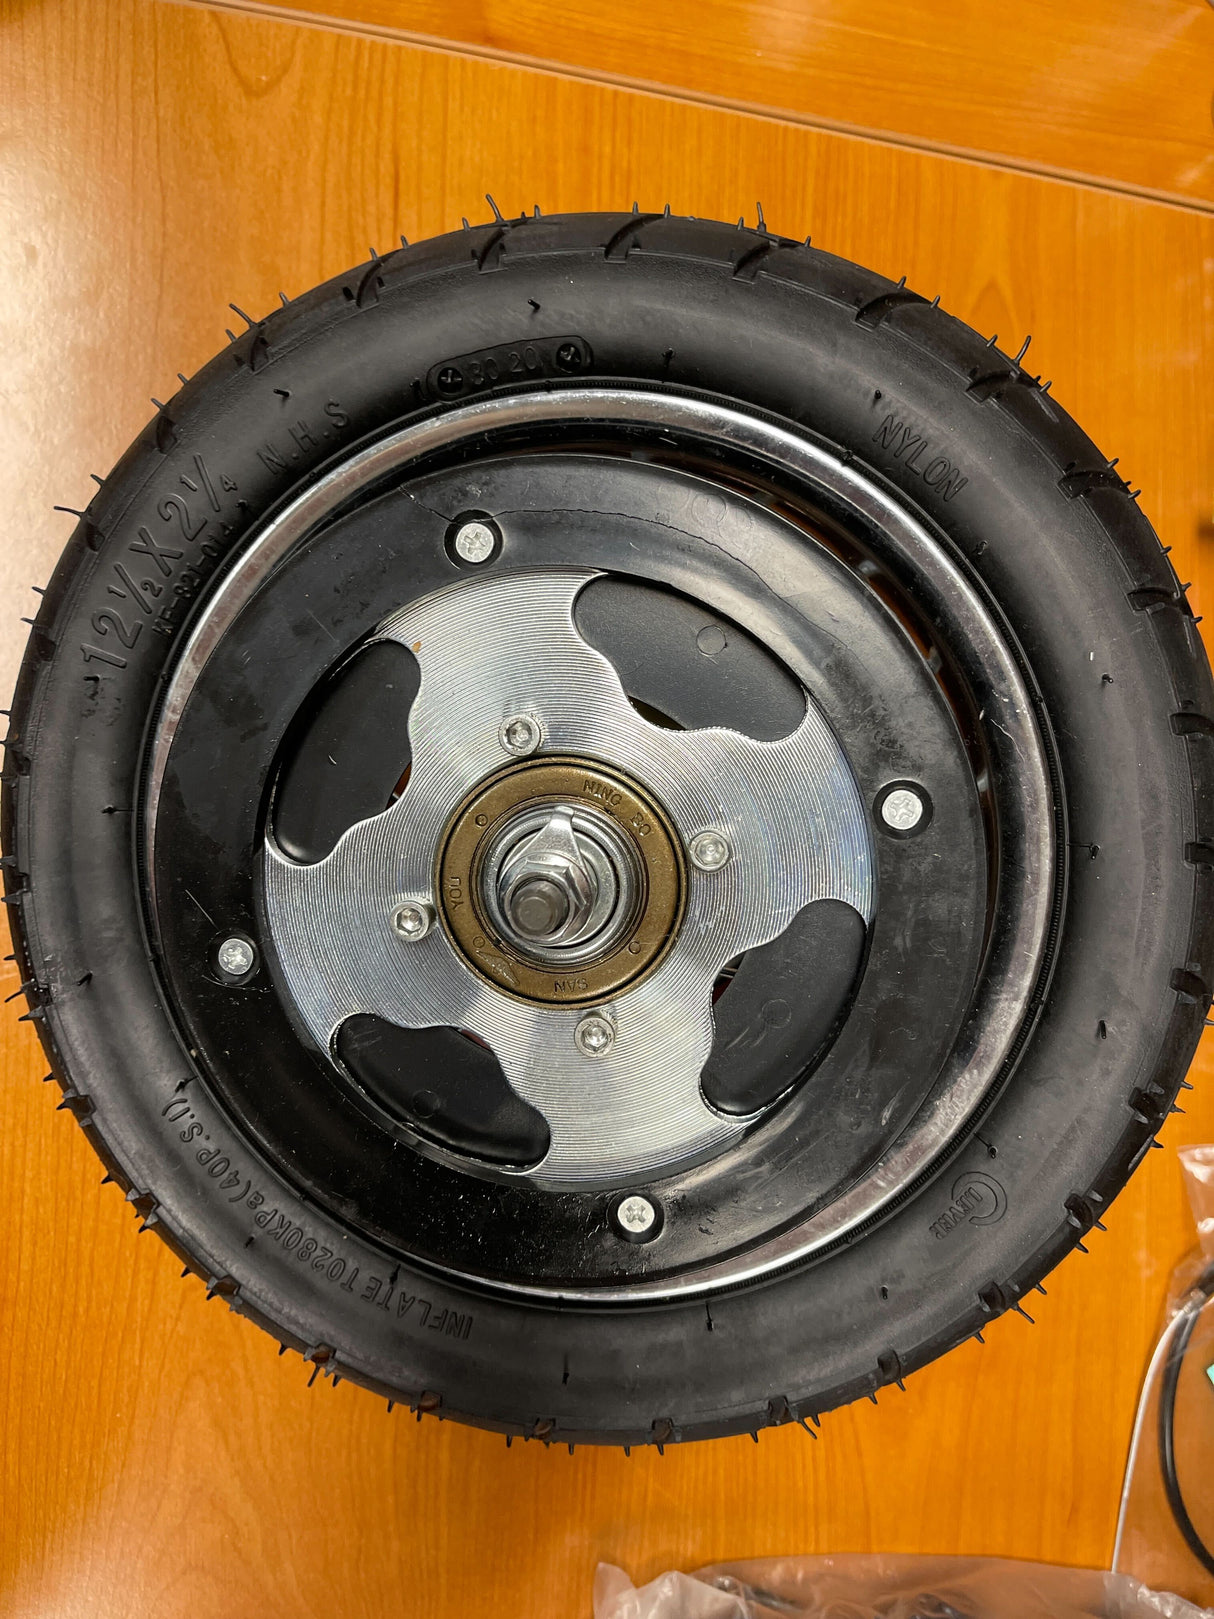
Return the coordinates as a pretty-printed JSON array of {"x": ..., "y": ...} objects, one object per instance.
[{"x": 1035, "y": 512}]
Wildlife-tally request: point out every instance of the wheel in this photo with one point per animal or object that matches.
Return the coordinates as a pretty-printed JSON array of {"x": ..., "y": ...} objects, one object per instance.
[{"x": 607, "y": 821}]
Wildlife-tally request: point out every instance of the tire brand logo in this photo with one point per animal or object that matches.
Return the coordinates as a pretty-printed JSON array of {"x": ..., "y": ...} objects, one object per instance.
[
  {"x": 976, "y": 1198},
  {"x": 910, "y": 447}
]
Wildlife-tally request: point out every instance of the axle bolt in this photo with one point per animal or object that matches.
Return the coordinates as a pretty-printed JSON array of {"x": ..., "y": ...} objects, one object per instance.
[
  {"x": 520, "y": 735},
  {"x": 413, "y": 921},
  {"x": 709, "y": 850},
  {"x": 594, "y": 1035}
]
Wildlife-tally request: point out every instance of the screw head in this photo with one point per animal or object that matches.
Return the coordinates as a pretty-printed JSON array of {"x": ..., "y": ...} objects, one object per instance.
[
  {"x": 637, "y": 1217},
  {"x": 904, "y": 809},
  {"x": 413, "y": 920},
  {"x": 236, "y": 956},
  {"x": 474, "y": 542},
  {"x": 520, "y": 735},
  {"x": 594, "y": 1035},
  {"x": 709, "y": 850}
]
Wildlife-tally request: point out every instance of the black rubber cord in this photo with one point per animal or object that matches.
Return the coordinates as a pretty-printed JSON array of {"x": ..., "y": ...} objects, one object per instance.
[{"x": 1167, "y": 1420}]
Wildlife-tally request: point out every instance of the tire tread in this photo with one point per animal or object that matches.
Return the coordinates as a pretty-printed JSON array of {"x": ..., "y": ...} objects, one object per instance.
[{"x": 989, "y": 379}]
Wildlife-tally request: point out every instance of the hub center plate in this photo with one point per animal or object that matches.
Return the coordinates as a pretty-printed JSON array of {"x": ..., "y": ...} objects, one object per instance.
[{"x": 789, "y": 810}]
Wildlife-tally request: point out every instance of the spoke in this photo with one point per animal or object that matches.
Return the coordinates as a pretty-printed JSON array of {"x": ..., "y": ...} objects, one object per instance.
[{"x": 503, "y": 646}]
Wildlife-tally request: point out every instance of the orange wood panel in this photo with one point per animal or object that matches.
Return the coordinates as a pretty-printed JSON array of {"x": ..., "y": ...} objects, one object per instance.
[
  {"x": 156, "y": 1456},
  {"x": 1116, "y": 90}
]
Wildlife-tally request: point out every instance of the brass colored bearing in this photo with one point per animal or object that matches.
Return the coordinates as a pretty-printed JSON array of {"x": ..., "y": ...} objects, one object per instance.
[{"x": 503, "y": 963}]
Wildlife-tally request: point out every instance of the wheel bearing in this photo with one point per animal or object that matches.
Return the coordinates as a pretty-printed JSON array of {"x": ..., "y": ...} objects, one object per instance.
[{"x": 471, "y": 852}]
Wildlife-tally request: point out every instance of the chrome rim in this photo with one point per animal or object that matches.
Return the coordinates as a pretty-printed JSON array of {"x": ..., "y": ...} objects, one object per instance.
[{"x": 1017, "y": 948}]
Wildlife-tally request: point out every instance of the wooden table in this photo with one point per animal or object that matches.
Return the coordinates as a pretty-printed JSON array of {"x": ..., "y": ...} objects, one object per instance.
[{"x": 157, "y": 1458}]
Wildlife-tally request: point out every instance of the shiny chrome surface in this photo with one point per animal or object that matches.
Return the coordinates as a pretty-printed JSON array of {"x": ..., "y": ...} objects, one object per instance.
[
  {"x": 1026, "y": 804},
  {"x": 790, "y": 809},
  {"x": 575, "y": 864}
]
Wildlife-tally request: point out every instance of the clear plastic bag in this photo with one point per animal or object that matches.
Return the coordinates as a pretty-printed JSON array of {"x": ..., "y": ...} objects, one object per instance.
[
  {"x": 1151, "y": 1543},
  {"x": 1151, "y": 1559},
  {"x": 1198, "y": 1166},
  {"x": 859, "y": 1587}
]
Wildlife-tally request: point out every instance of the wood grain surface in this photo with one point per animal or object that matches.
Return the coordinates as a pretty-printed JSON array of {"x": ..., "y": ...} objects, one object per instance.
[
  {"x": 1117, "y": 90},
  {"x": 157, "y": 1458}
]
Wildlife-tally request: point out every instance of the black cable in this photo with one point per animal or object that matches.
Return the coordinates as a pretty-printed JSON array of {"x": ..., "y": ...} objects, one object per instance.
[{"x": 1169, "y": 1382}]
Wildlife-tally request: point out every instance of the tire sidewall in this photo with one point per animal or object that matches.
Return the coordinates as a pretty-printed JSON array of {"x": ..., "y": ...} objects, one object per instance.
[{"x": 301, "y": 390}]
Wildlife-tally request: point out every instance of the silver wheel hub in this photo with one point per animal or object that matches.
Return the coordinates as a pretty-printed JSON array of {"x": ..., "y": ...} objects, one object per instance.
[
  {"x": 558, "y": 879},
  {"x": 1018, "y": 945}
]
